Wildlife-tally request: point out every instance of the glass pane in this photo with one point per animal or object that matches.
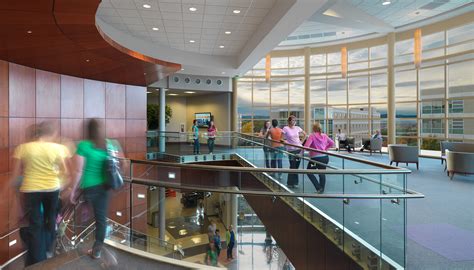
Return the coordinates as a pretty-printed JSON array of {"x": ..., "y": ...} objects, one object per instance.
[
  {"x": 359, "y": 129},
  {"x": 261, "y": 112},
  {"x": 297, "y": 61},
  {"x": 460, "y": 34},
  {"x": 379, "y": 124},
  {"x": 404, "y": 47},
  {"x": 407, "y": 141},
  {"x": 279, "y": 72},
  {"x": 461, "y": 108},
  {"x": 337, "y": 116},
  {"x": 358, "y": 55},
  {"x": 318, "y": 70},
  {"x": 279, "y": 93},
  {"x": 358, "y": 90},
  {"x": 260, "y": 64},
  {"x": 334, "y": 58},
  {"x": 430, "y": 144},
  {"x": 318, "y": 60},
  {"x": 280, "y": 112},
  {"x": 378, "y": 63},
  {"x": 461, "y": 128},
  {"x": 279, "y": 62},
  {"x": 378, "y": 52},
  {"x": 244, "y": 112},
  {"x": 378, "y": 110},
  {"x": 261, "y": 94},
  {"x": 246, "y": 126},
  {"x": 244, "y": 93},
  {"x": 405, "y": 85},
  {"x": 258, "y": 72},
  {"x": 431, "y": 109},
  {"x": 297, "y": 93},
  {"x": 406, "y": 127},
  {"x": 432, "y": 83},
  {"x": 296, "y": 71},
  {"x": 461, "y": 79},
  {"x": 378, "y": 88},
  {"x": 405, "y": 110},
  {"x": 432, "y": 128},
  {"x": 357, "y": 66},
  {"x": 318, "y": 92},
  {"x": 435, "y": 40},
  {"x": 319, "y": 112},
  {"x": 337, "y": 91}
]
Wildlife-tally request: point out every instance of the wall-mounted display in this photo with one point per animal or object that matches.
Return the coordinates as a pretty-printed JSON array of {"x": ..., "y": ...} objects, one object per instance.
[{"x": 203, "y": 119}]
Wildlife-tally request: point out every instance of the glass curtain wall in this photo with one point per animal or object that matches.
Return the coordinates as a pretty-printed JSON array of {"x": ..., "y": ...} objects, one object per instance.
[{"x": 433, "y": 103}]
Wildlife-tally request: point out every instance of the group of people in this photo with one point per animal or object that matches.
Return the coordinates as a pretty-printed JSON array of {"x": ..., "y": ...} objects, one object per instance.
[
  {"x": 48, "y": 174},
  {"x": 215, "y": 244},
  {"x": 290, "y": 138},
  {"x": 211, "y": 137}
]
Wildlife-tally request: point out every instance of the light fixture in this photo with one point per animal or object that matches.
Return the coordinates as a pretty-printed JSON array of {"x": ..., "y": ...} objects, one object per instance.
[
  {"x": 386, "y": 3},
  {"x": 344, "y": 62},
  {"x": 223, "y": 72},
  {"x": 29, "y": 31},
  {"x": 189, "y": 92},
  {"x": 192, "y": 41},
  {"x": 228, "y": 32},
  {"x": 268, "y": 67},
  {"x": 236, "y": 11},
  {"x": 182, "y": 69},
  {"x": 172, "y": 94},
  {"x": 221, "y": 46},
  {"x": 192, "y": 9},
  {"x": 417, "y": 48},
  {"x": 146, "y": 6},
  {"x": 87, "y": 60},
  {"x": 155, "y": 29},
  {"x": 148, "y": 92}
]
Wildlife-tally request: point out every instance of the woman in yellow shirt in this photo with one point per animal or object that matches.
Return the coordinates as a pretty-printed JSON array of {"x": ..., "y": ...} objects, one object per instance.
[{"x": 42, "y": 165}]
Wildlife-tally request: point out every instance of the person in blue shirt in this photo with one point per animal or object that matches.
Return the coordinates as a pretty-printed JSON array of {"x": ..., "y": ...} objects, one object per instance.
[
  {"x": 196, "y": 138},
  {"x": 230, "y": 239},
  {"x": 217, "y": 242}
]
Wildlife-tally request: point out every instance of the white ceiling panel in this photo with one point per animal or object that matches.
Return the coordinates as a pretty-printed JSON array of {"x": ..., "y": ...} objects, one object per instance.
[{"x": 132, "y": 20}]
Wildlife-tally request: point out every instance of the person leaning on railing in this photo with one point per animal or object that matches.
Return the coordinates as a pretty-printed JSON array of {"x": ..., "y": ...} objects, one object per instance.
[
  {"x": 266, "y": 148},
  {"x": 292, "y": 134},
  {"x": 320, "y": 141}
]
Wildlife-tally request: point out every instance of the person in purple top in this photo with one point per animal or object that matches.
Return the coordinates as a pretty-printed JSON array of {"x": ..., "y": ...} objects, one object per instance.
[
  {"x": 292, "y": 134},
  {"x": 319, "y": 141}
]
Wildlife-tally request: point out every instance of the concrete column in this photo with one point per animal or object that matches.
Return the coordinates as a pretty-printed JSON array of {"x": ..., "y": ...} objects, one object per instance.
[
  {"x": 162, "y": 120},
  {"x": 233, "y": 211},
  {"x": 391, "y": 88},
  {"x": 233, "y": 112},
  {"x": 162, "y": 213},
  {"x": 307, "y": 90}
]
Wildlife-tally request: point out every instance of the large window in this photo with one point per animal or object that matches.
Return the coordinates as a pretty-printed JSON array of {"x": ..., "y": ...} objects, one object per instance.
[{"x": 433, "y": 102}]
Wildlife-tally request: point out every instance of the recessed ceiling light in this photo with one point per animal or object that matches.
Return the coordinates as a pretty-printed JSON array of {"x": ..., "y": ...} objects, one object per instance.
[
  {"x": 236, "y": 11},
  {"x": 155, "y": 28},
  {"x": 417, "y": 12},
  {"x": 182, "y": 69},
  {"x": 189, "y": 92},
  {"x": 386, "y": 3},
  {"x": 146, "y": 6},
  {"x": 223, "y": 72},
  {"x": 221, "y": 46},
  {"x": 228, "y": 32},
  {"x": 192, "y": 41},
  {"x": 29, "y": 31},
  {"x": 192, "y": 9},
  {"x": 172, "y": 94},
  {"x": 144, "y": 73},
  {"x": 148, "y": 92},
  {"x": 87, "y": 60}
]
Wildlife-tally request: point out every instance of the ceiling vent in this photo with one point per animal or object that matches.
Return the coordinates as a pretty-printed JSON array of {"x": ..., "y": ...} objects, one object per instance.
[{"x": 434, "y": 4}]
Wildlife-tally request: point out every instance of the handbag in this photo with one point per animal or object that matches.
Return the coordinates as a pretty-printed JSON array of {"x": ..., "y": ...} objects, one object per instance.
[{"x": 114, "y": 179}]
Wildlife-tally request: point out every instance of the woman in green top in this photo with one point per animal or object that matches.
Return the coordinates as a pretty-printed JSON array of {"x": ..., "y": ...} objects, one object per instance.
[
  {"x": 195, "y": 137},
  {"x": 89, "y": 160}
]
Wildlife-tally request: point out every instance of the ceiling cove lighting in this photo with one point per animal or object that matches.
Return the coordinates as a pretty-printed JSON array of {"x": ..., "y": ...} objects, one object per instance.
[
  {"x": 155, "y": 29},
  {"x": 417, "y": 48},
  {"x": 344, "y": 62},
  {"x": 192, "y": 9},
  {"x": 192, "y": 41},
  {"x": 268, "y": 67},
  {"x": 228, "y": 32},
  {"x": 172, "y": 94},
  {"x": 221, "y": 46},
  {"x": 189, "y": 92},
  {"x": 146, "y": 6},
  {"x": 236, "y": 11},
  {"x": 386, "y": 3}
]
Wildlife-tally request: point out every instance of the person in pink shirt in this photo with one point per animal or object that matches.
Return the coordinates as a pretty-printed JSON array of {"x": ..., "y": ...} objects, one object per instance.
[
  {"x": 319, "y": 141},
  {"x": 292, "y": 134}
]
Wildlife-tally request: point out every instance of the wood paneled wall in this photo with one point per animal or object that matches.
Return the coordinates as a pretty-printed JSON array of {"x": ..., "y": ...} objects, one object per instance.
[{"x": 29, "y": 96}]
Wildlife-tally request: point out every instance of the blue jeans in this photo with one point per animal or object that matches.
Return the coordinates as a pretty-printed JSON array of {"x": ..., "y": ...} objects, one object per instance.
[
  {"x": 196, "y": 146},
  {"x": 98, "y": 197},
  {"x": 322, "y": 177},
  {"x": 42, "y": 227},
  {"x": 210, "y": 144},
  {"x": 267, "y": 156},
  {"x": 277, "y": 156}
]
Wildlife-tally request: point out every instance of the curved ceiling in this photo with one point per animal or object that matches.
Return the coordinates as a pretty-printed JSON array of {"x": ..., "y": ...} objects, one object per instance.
[
  {"x": 344, "y": 19},
  {"x": 61, "y": 36}
]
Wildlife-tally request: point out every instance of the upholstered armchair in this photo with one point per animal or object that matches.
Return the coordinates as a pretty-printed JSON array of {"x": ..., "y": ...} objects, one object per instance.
[
  {"x": 459, "y": 162},
  {"x": 401, "y": 153},
  {"x": 375, "y": 145}
]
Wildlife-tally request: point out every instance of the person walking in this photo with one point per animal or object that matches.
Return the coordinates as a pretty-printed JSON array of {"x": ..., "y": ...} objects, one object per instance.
[
  {"x": 230, "y": 240},
  {"x": 42, "y": 164},
  {"x": 195, "y": 130},
  {"x": 319, "y": 141},
  {"x": 217, "y": 242},
  {"x": 267, "y": 145},
  {"x": 276, "y": 135},
  {"x": 211, "y": 136},
  {"x": 90, "y": 160},
  {"x": 292, "y": 134}
]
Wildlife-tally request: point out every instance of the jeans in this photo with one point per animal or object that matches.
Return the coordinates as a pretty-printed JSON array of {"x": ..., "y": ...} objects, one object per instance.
[
  {"x": 196, "y": 146},
  {"x": 322, "y": 177},
  {"x": 210, "y": 144},
  {"x": 98, "y": 197},
  {"x": 42, "y": 228},
  {"x": 267, "y": 156},
  {"x": 277, "y": 156},
  {"x": 294, "y": 164},
  {"x": 230, "y": 247}
]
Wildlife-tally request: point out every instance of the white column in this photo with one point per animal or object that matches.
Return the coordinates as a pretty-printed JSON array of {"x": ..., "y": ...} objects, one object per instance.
[
  {"x": 162, "y": 213},
  {"x": 307, "y": 90},
  {"x": 391, "y": 88},
  {"x": 162, "y": 120}
]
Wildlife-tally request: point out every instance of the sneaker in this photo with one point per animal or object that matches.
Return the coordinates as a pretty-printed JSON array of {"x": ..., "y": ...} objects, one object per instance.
[
  {"x": 320, "y": 191},
  {"x": 95, "y": 253}
]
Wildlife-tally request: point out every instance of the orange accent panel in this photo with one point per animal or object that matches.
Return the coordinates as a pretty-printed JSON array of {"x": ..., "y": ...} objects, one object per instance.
[
  {"x": 136, "y": 95},
  {"x": 3, "y": 88},
  {"x": 115, "y": 100},
  {"x": 72, "y": 97},
  {"x": 21, "y": 91},
  {"x": 48, "y": 94},
  {"x": 94, "y": 99}
]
